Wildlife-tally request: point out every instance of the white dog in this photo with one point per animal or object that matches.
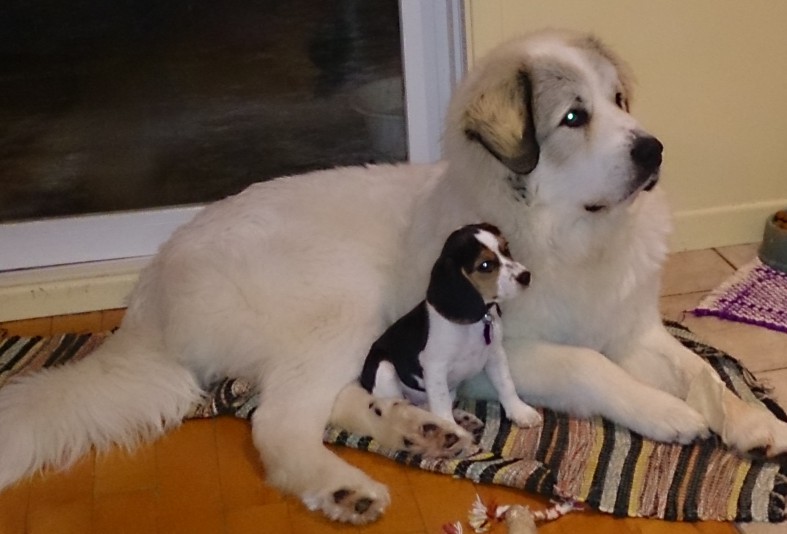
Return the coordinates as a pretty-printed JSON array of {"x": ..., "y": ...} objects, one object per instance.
[
  {"x": 455, "y": 333},
  {"x": 289, "y": 282}
]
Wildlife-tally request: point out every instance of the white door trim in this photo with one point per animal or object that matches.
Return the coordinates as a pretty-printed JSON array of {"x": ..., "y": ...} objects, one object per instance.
[
  {"x": 433, "y": 51},
  {"x": 90, "y": 238}
]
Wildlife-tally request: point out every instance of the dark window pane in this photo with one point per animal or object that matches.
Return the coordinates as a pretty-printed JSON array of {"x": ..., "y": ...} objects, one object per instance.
[{"x": 130, "y": 104}]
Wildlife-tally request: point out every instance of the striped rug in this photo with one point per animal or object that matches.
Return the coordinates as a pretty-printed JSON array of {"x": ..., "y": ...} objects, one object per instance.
[{"x": 593, "y": 461}]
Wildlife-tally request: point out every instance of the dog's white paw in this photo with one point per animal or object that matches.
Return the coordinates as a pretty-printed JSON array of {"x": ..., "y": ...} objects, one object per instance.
[
  {"x": 756, "y": 430},
  {"x": 672, "y": 421},
  {"x": 407, "y": 427},
  {"x": 468, "y": 420},
  {"x": 438, "y": 438},
  {"x": 523, "y": 415},
  {"x": 778, "y": 444},
  {"x": 357, "y": 504}
]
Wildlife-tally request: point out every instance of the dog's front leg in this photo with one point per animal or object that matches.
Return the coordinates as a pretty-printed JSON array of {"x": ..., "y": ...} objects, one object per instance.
[
  {"x": 585, "y": 383},
  {"x": 662, "y": 361}
]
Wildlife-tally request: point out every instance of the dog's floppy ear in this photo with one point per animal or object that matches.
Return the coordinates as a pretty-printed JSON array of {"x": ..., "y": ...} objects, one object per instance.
[
  {"x": 501, "y": 120},
  {"x": 452, "y": 294}
]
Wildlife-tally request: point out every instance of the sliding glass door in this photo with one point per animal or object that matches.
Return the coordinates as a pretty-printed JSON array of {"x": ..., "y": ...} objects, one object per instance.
[{"x": 121, "y": 119}]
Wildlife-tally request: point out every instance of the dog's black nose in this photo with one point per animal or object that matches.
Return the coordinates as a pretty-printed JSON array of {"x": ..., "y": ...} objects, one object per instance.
[
  {"x": 524, "y": 278},
  {"x": 646, "y": 153}
]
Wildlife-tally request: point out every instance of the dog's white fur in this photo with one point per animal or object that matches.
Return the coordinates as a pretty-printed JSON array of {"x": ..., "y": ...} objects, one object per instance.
[{"x": 289, "y": 282}]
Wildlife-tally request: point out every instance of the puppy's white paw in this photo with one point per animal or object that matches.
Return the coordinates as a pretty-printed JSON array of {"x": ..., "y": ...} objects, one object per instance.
[
  {"x": 523, "y": 415},
  {"x": 353, "y": 503}
]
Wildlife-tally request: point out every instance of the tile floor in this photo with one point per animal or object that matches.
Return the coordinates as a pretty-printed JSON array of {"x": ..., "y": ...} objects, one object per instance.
[{"x": 205, "y": 476}]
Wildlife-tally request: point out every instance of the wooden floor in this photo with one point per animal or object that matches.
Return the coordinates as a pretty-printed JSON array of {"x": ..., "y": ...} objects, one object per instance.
[{"x": 205, "y": 477}]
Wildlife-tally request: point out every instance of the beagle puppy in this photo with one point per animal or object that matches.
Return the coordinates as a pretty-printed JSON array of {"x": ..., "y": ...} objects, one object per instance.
[{"x": 456, "y": 332}]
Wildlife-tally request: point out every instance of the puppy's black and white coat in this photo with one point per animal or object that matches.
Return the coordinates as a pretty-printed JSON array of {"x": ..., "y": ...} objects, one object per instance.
[{"x": 455, "y": 333}]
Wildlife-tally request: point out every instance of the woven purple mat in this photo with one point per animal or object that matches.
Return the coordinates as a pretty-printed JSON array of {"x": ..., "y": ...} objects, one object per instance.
[{"x": 755, "y": 294}]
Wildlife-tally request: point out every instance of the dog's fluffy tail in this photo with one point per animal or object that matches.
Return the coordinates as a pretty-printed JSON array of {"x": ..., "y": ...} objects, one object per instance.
[{"x": 121, "y": 394}]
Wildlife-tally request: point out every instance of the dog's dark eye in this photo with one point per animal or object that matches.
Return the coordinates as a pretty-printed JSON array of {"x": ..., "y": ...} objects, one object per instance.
[
  {"x": 486, "y": 266},
  {"x": 575, "y": 118}
]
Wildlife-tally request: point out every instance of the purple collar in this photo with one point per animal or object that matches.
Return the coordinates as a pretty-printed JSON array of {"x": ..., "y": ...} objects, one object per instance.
[{"x": 488, "y": 319}]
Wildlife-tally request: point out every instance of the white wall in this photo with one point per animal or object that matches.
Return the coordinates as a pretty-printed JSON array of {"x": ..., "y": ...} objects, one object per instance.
[{"x": 712, "y": 85}]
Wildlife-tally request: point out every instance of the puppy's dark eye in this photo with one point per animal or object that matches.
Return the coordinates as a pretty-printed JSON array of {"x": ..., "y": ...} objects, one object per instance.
[
  {"x": 486, "y": 266},
  {"x": 620, "y": 101},
  {"x": 575, "y": 118}
]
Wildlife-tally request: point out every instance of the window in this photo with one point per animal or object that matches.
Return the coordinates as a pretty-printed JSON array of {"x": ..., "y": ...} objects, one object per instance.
[{"x": 111, "y": 108}]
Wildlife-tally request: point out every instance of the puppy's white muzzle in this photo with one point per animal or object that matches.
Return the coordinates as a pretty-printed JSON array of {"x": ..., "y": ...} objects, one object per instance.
[{"x": 514, "y": 278}]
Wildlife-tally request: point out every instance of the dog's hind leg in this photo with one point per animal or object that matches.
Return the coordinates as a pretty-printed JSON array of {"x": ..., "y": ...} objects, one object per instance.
[
  {"x": 288, "y": 429},
  {"x": 396, "y": 424}
]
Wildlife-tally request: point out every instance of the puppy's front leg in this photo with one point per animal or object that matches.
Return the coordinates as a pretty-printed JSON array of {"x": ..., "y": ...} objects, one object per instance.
[
  {"x": 499, "y": 374},
  {"x": 436, "y": 385}
]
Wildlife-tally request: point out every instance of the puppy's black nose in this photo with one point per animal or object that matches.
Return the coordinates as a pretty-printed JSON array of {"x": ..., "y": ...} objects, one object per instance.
[
  {"x": 524, "y": 278},
  {"x": 646, "y": 153}
]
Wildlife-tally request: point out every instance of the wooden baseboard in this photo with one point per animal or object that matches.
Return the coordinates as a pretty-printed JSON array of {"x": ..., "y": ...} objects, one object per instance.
[{"x": 67, "y": 289}]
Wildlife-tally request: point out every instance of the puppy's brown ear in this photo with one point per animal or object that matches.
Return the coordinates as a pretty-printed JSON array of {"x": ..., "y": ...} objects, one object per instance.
[
  {"x": 452, "y": 294},
  {"x": 501, "y": 120}
]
